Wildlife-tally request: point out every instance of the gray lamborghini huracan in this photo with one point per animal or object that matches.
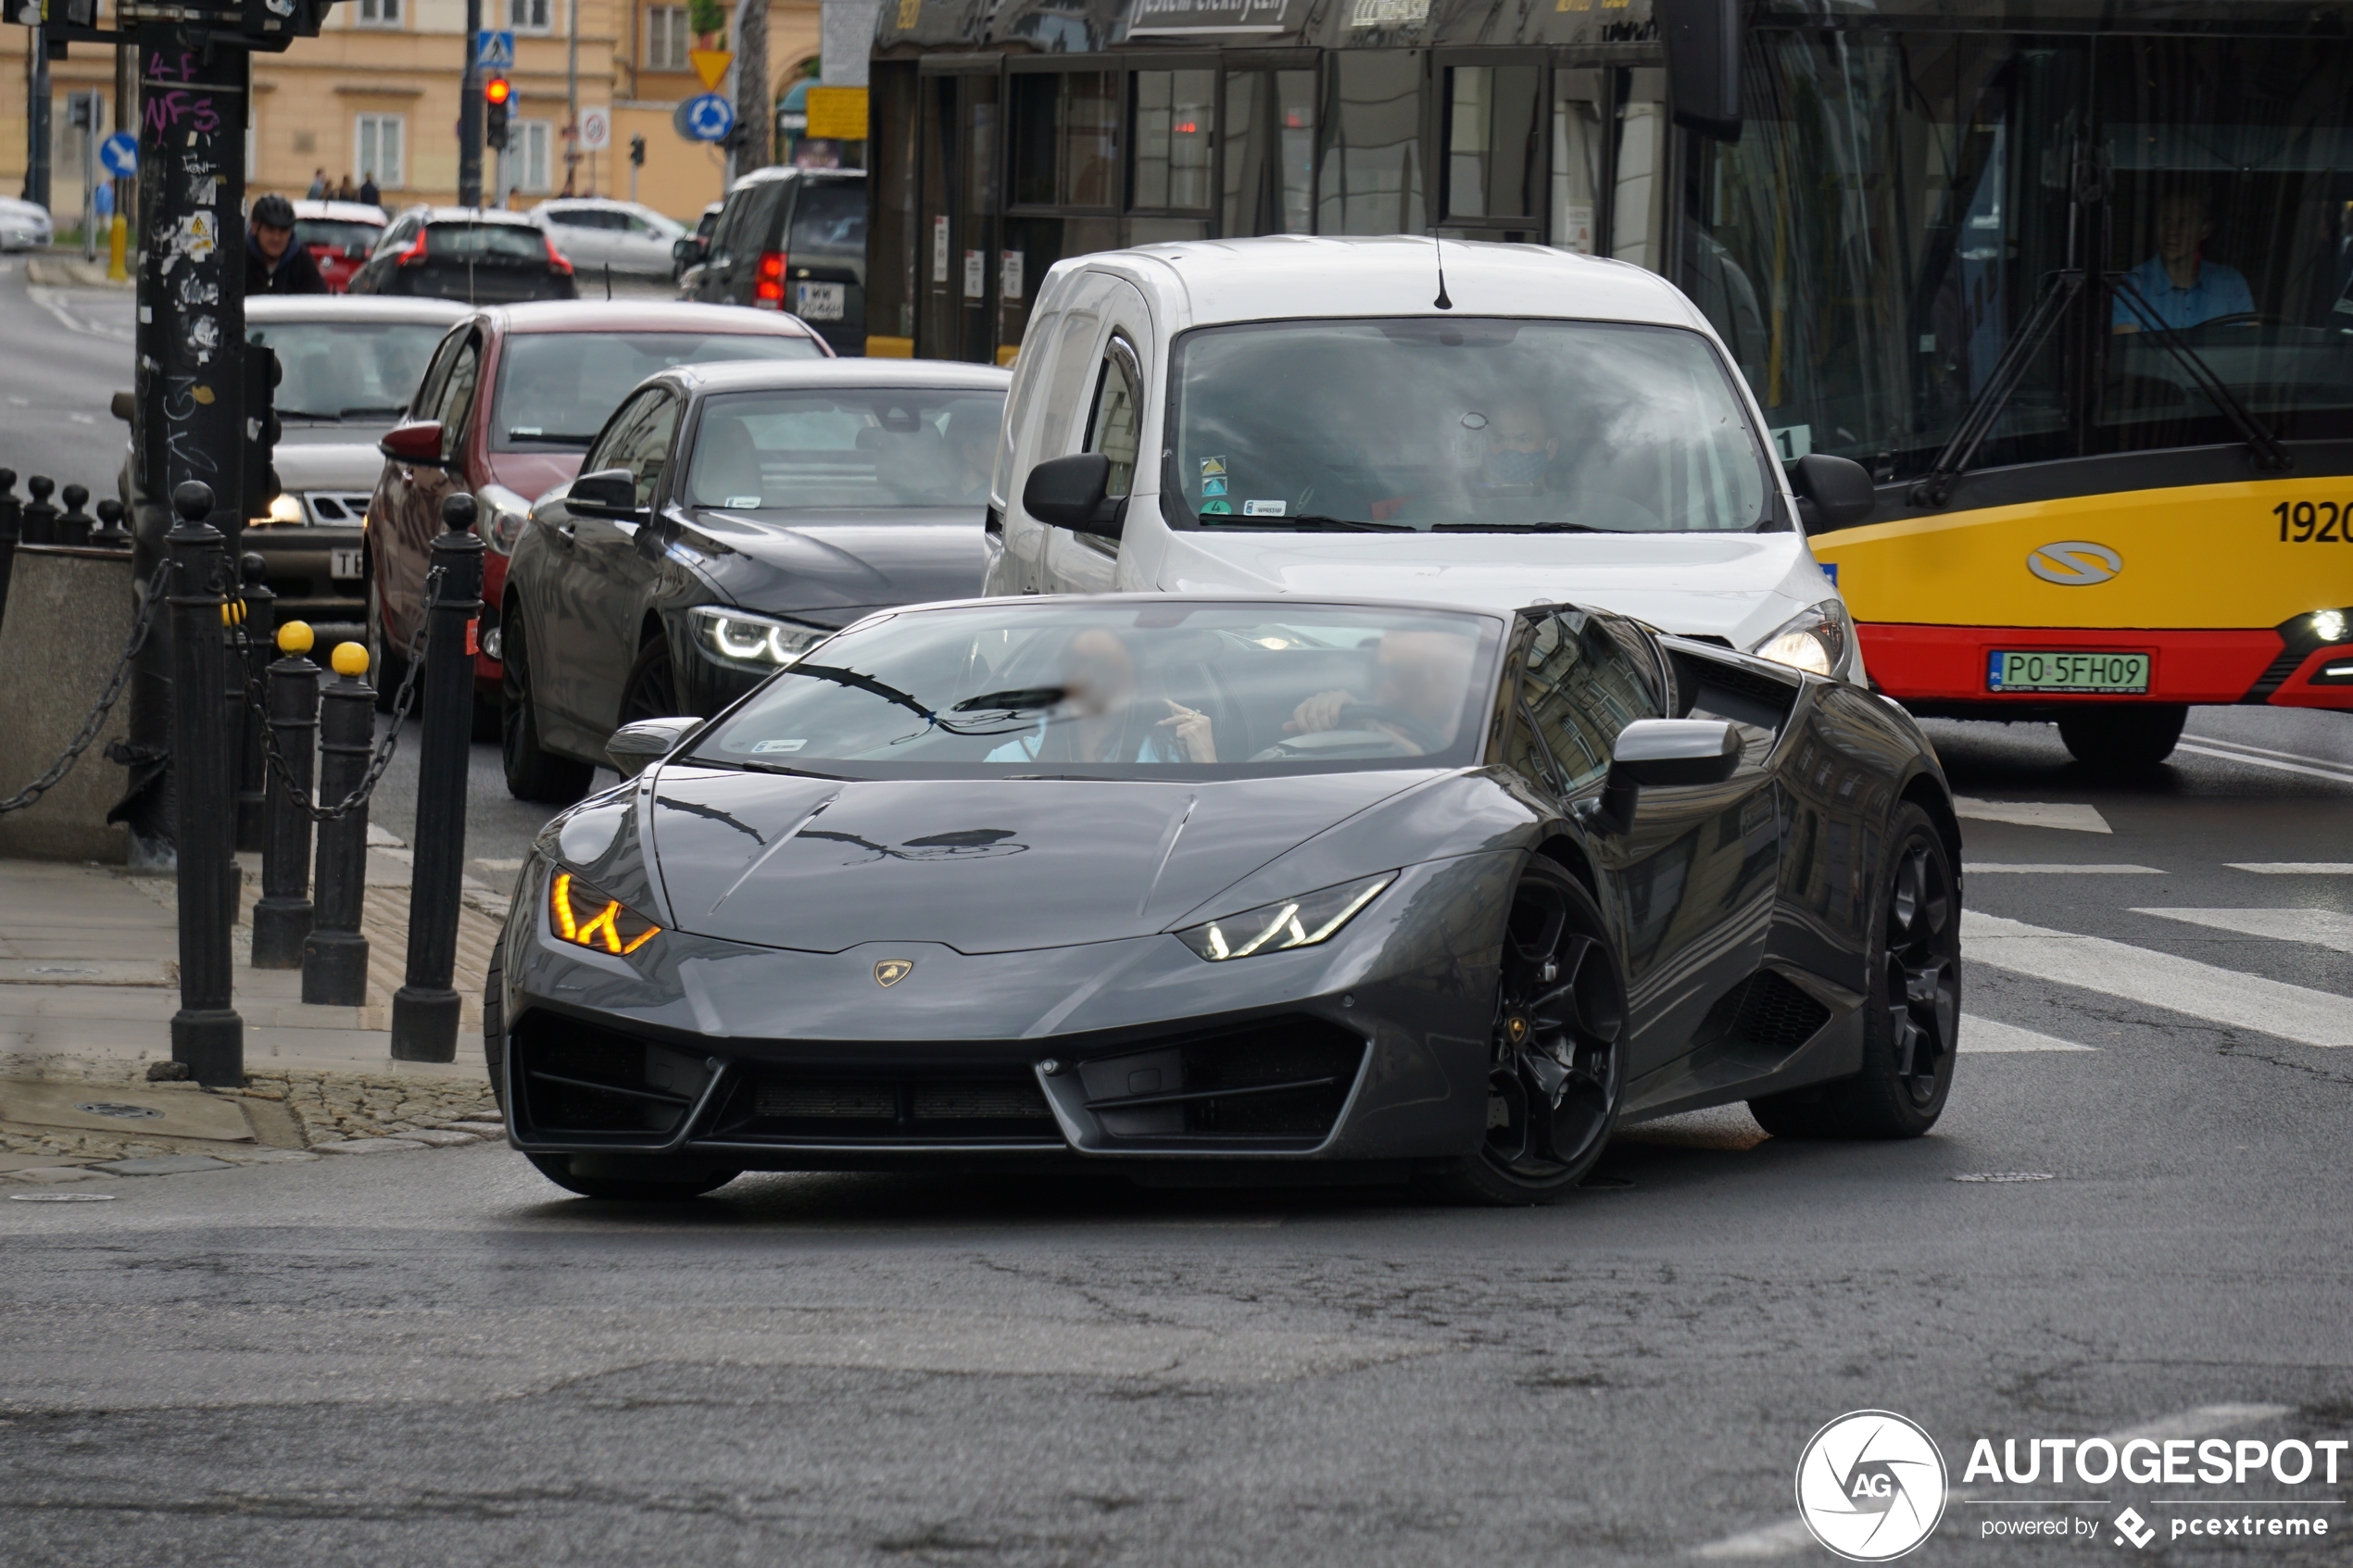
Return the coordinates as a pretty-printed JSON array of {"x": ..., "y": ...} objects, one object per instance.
[{"x": 1393, "y": 891}]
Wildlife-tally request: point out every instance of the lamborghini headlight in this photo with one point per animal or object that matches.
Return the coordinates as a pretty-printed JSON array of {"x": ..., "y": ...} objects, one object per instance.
[
  {"x": 1289, "y": 922},
  {"x": 737, "y": 637},
  {"x": 1815, "y": 640},
  {"x": 586, "y": 918}
]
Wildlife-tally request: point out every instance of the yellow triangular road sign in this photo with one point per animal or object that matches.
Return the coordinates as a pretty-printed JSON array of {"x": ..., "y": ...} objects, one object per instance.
[{"x": 711, "y": 65}]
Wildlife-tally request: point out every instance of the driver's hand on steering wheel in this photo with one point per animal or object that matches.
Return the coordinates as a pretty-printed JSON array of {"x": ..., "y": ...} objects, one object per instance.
[{"x": 1319, "y": 713}]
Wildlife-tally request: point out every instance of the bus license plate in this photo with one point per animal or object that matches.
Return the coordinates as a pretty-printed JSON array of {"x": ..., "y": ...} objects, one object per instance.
[
  {"x": 2060, "y": 671},
  {"x": 345, "y": 565},
  {"x": 818, "y": 302}
]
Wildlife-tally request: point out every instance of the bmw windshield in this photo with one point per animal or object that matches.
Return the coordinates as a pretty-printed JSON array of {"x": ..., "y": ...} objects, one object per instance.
[{"x": 1478, "y": 425}]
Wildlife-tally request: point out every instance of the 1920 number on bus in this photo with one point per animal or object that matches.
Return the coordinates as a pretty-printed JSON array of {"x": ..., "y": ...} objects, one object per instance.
[{"x": 2314, "y": 523}]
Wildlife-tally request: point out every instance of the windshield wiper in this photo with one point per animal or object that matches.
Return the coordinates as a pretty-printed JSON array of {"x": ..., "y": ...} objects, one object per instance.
[
  {"x": 2059, "y": 292},
  {"x": 2270, "y": 455},
  {"x": 1521, "y": 528},
  {"x": 1308, "y": 522},
  {"x": 750, "y": 767},
  {"x": 550, "y": 439}
]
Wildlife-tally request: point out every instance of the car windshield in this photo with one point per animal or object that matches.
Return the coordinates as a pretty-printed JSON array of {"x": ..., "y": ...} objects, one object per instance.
[
  {"x": 1124, "y": 689},
  {"x": 338, "y": 233},
  {"x": 503, "y": 244},
  {"x": 555, "y": 389},
  {"x": 356, "y": 371},
  {"x": 845, "y": 449},
  {"x": 1472, "y": 424}
]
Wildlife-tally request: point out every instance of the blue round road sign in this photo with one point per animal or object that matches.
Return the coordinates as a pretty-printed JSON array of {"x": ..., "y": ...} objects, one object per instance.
[
  {"x": 708, "y": 117},
  {"x": 120, "y": 152}
]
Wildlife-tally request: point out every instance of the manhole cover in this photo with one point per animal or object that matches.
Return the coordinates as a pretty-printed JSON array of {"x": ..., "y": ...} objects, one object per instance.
[
  {"x": 116, "y": 1109},
  {"x": 61, "y": 1197},
  {"x": 2007, "y": 1176}
]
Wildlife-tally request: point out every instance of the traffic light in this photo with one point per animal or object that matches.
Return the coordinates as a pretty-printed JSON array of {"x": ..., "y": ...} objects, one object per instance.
[
  {"x": 637, "y": 151},
  {"x": 496, "y": 94}
]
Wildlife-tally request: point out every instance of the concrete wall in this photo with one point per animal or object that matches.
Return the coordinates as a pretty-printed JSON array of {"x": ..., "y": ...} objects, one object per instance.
[{"x": 68, "y": 613}]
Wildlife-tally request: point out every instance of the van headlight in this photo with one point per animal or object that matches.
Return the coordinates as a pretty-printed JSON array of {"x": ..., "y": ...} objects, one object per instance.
[
  {"x": 761, "y": 642},
  {"x": 1285, "y": 923},
  {"x": 1815, "y": 640},
  {"x": 285, "y": 507}
]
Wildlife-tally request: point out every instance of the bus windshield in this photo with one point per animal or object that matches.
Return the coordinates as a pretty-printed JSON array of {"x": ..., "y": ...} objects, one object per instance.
[
  {"x": 1875, "y": 240},
  {"x": 1428, "y": 423}
]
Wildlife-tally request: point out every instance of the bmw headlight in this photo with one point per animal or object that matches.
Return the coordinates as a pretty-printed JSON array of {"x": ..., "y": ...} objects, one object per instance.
[
  {"x": 757, "y": 641},
  {"x": 503, "y": 516},
  {"x": 1815, "y": 640},
  {"x": 585, "y": 917},
  {"x": 1289, "y": 922}
]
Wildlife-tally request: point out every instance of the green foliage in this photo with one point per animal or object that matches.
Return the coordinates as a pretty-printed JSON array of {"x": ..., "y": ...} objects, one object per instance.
[{"x": 706, "y": 17}]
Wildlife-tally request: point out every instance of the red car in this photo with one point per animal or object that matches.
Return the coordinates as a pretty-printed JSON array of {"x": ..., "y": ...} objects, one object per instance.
[
  {"x": 506, "y": 410},
  {"x": 339, "y": 236}
]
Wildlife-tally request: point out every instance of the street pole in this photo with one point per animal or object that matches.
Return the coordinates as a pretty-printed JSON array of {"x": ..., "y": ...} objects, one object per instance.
[
  {"x": 572, "y": 105},
  {"x": 470, "y": 114},
  {"x": 36, "y": 122}
]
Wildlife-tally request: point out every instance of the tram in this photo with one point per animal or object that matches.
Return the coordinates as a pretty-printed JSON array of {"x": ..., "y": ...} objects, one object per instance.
[{"x": 2073, "y": 279}]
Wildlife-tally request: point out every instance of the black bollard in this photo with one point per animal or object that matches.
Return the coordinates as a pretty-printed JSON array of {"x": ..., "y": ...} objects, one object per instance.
[
  {"x": 334, "y": 956},
  {"x": 37, "y": 522},
  {"x": 74, "y": 527},
  {"x": 424, "y": 1011},
  {"x": 8, "y": 504},
  {"x": 250, "y": 638},
  {"x": 206, "y": 1034},
  {"x": 282, "y": 918},
  {"x": 109, "y": 535}
]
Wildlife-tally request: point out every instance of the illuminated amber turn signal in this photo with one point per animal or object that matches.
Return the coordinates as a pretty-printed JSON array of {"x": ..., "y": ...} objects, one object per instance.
[{"x": 584, "y": 915}]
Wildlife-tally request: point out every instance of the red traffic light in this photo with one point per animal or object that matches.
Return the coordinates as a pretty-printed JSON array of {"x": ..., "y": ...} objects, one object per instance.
[{"x": 497, "y": 90}]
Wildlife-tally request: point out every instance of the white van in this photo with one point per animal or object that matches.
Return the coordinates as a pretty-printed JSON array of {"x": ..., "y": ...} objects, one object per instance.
[{"x": 1292, "y": 414}]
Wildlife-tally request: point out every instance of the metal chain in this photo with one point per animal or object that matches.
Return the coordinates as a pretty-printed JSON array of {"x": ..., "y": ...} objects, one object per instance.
[
  {"x": 381, "y": 760},
  {"x": 92, "y": 725}
]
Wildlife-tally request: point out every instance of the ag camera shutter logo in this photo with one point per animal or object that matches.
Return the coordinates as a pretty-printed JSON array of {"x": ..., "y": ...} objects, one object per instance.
[{"x": 1870, "y": 1486}]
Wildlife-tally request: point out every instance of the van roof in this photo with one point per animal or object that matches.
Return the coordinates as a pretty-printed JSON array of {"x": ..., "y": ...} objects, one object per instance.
[{"x": 1279, "y": 276}]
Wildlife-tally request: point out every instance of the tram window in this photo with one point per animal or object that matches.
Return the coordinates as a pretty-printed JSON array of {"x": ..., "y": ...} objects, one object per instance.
[
  {"x": 1638, "y": 202},
  {"x": 1371, "y": 180},
  {"x": 1491, "y": 152},
  {"x": 1270, "y": 152},
  {"x": 1175, "y": 119},
  {"x": 1065, "y": 148},
  {"x": 1578, "y": 140}
]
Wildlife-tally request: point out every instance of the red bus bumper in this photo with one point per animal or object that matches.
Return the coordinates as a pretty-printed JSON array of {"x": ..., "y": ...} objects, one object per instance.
[{"x": 1940, "y": 665}]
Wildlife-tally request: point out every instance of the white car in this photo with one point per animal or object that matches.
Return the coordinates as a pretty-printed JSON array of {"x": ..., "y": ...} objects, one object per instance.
[
  {"x": 1321, "y": 415},
  {"x": 596, "y": 232},
  {"x": 23, "y": 225}
]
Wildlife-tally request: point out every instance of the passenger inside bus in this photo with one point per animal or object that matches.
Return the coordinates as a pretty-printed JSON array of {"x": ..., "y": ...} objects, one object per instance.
[{"x": 2180, "y": 286}]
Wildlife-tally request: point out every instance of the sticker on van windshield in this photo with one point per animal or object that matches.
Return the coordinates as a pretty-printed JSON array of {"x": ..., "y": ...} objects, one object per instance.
[
  {"x": 1264, "y": 508},
  {"x": 768, "y": 746},
  {"x": 1212, "y": 468},
  {"x": 1213, "y": 487},
  {"x": 1217, "y": 509}
]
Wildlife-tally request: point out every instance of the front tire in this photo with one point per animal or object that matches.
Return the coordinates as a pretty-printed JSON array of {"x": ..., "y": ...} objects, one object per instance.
[
  {"x": 1557, "y": 1061},
  {"x": 661, "y": 1183},
  {"x": 2137, "y": 734},
  {"x": 1912, "y": 1017},
  {"x": 533, "y": 773},
  {"x": 652, "y": 689}
]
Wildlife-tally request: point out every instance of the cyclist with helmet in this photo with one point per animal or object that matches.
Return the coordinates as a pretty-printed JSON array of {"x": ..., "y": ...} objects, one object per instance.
[{"x": 274, "y": 264}]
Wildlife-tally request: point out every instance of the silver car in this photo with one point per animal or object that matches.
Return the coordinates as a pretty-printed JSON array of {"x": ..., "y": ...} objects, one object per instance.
[
  {"x": 25, "y": 226},
  {"x": 595, "y": 233}
]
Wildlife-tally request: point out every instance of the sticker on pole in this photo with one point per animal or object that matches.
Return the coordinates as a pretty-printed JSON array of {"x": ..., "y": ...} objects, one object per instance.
[
  {"x": 706, "y": 117},
  {"x": 493, "y": 51},
  {"x": 120, "y": 152},
  {"x": 596, "y": 130}
]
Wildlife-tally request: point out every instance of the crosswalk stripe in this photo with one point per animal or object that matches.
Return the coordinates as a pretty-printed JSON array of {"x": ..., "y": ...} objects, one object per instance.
[
  {"x": 2075, "y": 818},
  {"x": 2322, "y": 928},
  {"x": 2142, "y": 975},
  {"x": 1986, "y": 1035},
  {"x": 2293, "y": 868},
  {"x": 2055, "y": 869},
  {"x": 2340, "y": 775}
]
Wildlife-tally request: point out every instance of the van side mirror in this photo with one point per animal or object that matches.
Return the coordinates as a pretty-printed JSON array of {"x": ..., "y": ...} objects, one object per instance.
[
  {"x": 1831, "y": 492},
  {"x": 634, "y": 748},
  {"x": 1074, "y": 492},
  {"x": 606, "y": 492}
]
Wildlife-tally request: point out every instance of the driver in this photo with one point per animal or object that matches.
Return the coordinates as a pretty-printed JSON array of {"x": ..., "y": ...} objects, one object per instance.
[
  {"x": 2183, "y": 288},
  {"x": 1520, "y": 449},
  {"x": 1099, "y": 690},
  {"x": 1419, "y": 678}
]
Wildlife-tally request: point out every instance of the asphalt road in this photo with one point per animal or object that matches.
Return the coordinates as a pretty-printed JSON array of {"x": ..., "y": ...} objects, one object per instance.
[{"x": 64, "y": 353}]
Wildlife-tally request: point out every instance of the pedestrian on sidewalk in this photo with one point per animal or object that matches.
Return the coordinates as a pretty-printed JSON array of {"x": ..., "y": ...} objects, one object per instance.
[
  {"x": 319, "y": 191},
  {"x": 347, "y": 191},
  {"x": 368, "y": 191}
]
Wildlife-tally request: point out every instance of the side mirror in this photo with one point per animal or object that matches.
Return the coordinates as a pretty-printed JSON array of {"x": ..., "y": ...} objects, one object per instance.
[
  {"x": 1074, "y": 492},
  {"x": 606, "y": 492},
  {"x": 681, "y": 249},
  {"x": 1702, "y": 39},
  {"x": 634, "y": 748},
  {"x": 1675, "y": 751},
  {"x": 1831, "y": 492},
  {"x": 418, "y": 443},
  {"x": 123, "y": 405}
]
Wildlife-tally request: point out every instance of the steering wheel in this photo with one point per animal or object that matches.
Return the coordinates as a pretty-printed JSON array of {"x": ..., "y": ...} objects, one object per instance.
[
  {"x": 1356, "y": 736},
  {"x": 1381, "y": 713}
]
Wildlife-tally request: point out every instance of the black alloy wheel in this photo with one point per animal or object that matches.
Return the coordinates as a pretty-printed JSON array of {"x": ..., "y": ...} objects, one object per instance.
[
  {"x": 1558, "y": 1060},
  {"x": 2123, "y": 735},
  {"x": 1911, "y": 1024},
  {"x": 533, "y": 773},
  {"x": 664, "y": 1181},
  {"x": 650, "y": 691}
]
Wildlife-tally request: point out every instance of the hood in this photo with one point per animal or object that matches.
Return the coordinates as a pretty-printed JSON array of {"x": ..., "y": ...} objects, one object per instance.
[
  {"x": 533, "y": 473},
  {"x": 329, "y": 458},
  {"x": 1737, "y": 586},
  {"x": 767, "y": 563},
  {"x": 979, "y": 865}
]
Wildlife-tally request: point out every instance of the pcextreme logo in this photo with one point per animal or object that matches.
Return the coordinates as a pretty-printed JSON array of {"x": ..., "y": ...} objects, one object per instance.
[{"x": 1870, "y": 1486}]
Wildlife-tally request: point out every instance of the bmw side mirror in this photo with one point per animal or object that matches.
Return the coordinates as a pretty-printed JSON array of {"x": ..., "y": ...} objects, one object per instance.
[
  {"x": 1074, "y": 492},
  {"x": 1831, "y": 492},
  {"x": 1663, "y": 753},
  {"x": 634, "y": 748},
  {"x": 606, "y": 492}
]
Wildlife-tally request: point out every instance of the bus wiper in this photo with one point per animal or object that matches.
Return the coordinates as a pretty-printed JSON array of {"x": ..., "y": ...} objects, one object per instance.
[
  {"x": 2270, "y": 455},
  {"x": 1306, "y": 523},
  {"x": 2059, "y": 292}
]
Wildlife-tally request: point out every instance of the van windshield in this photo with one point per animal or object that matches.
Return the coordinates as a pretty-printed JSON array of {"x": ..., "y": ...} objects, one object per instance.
[{"x": 1481, "y": 425}]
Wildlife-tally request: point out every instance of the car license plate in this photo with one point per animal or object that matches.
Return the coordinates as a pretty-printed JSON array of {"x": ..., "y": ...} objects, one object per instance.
[
  {"x": 2009, "y": 670},
  {"x": 344, "y": 564},
  {"x": 818, "y": 302}
]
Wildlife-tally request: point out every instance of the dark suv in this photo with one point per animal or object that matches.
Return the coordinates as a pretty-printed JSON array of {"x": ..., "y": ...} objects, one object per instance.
[
  {"x": 792, "y": 239},
  {"x": 481, "y": 255}
]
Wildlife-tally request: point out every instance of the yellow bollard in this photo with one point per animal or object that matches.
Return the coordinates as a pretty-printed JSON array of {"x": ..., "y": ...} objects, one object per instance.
[
  {"x": 118, "y": 243},
  {"x": 350, "y": 659},
  {"x": 295, "y": 637}
]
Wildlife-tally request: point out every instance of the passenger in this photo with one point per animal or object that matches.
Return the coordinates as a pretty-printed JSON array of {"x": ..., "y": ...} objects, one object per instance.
[
  {"x": 1419, "y": 681},
  {"x": 1098, "y": 684},
  {"x": 2181, "y": 287}
]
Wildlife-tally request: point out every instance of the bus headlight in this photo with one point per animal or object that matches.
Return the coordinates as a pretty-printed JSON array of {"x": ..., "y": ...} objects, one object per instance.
[
  {"x": 1816, "y": 640},
  {"x": 2328, "y": 626}
]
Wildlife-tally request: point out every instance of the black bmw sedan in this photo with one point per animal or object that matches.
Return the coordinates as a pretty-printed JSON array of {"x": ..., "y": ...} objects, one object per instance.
[
  {"x": 1164, "y": 885},
  {"x": 725, "y": 519}
]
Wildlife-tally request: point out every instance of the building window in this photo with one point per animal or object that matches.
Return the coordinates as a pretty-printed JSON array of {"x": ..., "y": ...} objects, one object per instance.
[
  {"x": 529, "y": 16},
  {"x": 666, "y": 38},
  {"x": 383, "y": 143},
  {"x": 528, "y": 144},
  {"x": 379, "y": 13}
]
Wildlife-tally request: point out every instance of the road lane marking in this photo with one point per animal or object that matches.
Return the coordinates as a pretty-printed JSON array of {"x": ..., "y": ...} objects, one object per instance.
[
  {"x": 2202, "y": 1422},
  {"x": 1773, "y": 1541},
  {"x": 2338, "y": 763},
  {"x": 2320, "y": 928},
  {"x": 1974, "y": 867},
  {"x": 2341, "y": 776},
  {"x": 2145, "y": 975},
  {"x": 1985, "y": 1035},
  {"x": 2293, "y": 868},
  {"x": 2033, "y": 813}
]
